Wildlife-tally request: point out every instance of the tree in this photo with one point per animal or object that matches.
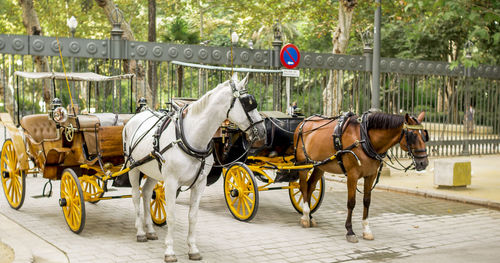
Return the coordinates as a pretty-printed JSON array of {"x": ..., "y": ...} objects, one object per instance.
[
  {"x": 332, "y": 96},
  {"x": 142, "y": 89},
  {"x": 32, "y": 25}
]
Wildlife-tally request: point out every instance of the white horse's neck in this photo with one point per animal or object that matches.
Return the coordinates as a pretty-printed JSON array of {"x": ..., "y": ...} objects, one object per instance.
[{"x": 200, "y": 127}]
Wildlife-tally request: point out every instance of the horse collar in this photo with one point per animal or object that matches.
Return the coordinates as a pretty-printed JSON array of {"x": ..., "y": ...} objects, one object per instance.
[{"x": 183, "y": 143}]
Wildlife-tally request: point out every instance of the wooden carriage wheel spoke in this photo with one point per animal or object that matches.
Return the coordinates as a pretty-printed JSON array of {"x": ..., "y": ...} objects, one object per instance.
[
  {"x": 245, "y": 202},
  {"x": 232, "y": 184},
  {"x": 315, "y": 198},
  {"x": 249, "y": 199},
  {"x": 239, "y": 204}
]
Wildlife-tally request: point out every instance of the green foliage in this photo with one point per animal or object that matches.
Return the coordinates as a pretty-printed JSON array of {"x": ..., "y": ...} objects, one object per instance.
[
  {"x": 180, "y": 31},
  {"x": 417, "y": 29}
]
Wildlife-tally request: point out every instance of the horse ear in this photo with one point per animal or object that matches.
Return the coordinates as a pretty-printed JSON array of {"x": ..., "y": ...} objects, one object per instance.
[
  {"x": 244, "y": 81},
  {"x": 421, "y": 116},
  {"x": 235, "y": 77}
]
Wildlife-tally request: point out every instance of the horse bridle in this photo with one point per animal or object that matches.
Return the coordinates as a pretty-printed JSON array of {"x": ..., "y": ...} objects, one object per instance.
[
  {"x": 248, "y": 102},
  {"x": 406, "y": 132}
]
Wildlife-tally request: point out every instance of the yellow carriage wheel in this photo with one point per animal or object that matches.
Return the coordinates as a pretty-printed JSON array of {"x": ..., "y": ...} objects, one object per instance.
[
  {"x": 241, "y": 192},
  {"x": 158, "y": 205},
  {"x": 72, "y": 201},
  {"x": 13, "y": 179},
  {"x": 316, "y": 197}
]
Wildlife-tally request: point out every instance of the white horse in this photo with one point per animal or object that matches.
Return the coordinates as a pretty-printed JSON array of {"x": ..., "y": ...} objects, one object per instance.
[{"x": 186, "y": 162}]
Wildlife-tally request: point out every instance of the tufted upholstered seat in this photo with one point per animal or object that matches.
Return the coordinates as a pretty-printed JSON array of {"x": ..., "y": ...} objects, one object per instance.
[{"x": 39, "y": 127}]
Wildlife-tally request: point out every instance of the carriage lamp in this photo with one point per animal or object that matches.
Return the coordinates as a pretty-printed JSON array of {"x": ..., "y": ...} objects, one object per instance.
[
  {"x": 143, "y": 104},
  {"x": 57, "y": 112}
]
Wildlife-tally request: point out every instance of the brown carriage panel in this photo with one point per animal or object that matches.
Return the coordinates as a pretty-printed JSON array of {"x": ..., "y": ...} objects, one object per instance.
[
  {"x": 56, "y": 155},
  {"x": 50, "y": 172},
  {"x": 17, "y": 139},
  {"x": 110, "y": 141}
]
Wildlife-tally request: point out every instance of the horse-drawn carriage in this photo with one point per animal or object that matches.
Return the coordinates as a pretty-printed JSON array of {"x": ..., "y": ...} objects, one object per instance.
[
  {"x": 258, "y": 168},
  {"x": 84, "y": 151}
]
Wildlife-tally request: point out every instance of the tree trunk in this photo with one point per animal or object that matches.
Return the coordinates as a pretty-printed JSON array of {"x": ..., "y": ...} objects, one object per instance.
[
  {"x": 152, "y": 74},
  {"x": 139, "y": 86},
  {"x": 332, "y": 94},
  {"x": 32, "y": 25}
]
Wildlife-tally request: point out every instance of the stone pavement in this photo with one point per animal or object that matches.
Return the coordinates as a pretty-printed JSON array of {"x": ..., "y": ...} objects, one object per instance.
[{"x": 407, "y": 228}]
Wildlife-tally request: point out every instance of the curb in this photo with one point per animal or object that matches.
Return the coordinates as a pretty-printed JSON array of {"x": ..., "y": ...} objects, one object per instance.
[
  {"x": 28, "y": 246},
  {"x": 426, "y": 193}
]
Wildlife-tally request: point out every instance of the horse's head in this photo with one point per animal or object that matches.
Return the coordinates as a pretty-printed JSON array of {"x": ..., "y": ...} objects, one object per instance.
[
  {"x": 413, "y": 139},
  {"x": 243, "y": 111}
]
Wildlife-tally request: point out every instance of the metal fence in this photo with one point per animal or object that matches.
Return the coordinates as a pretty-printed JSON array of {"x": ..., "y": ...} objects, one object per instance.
[{"x": 407, "y": 86}]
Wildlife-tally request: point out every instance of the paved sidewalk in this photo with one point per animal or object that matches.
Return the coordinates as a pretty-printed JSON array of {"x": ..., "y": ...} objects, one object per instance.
[
  {"x": 484, "y": 189},
  {"x": 407, "y": 228}
]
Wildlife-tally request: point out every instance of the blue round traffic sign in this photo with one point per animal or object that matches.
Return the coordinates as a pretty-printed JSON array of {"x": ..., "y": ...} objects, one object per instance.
[{"x": 290, "y": 56}]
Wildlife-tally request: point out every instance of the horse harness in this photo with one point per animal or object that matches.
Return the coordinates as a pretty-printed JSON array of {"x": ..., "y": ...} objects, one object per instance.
[
  {"x": 248, "y": 103},
  {"x": 365, "y": 142}
]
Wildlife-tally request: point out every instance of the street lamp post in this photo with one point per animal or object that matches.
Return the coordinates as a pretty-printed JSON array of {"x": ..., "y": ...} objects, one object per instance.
[
  {"x": 468, "y": 122},
  {"x": 72, "y": 24}
]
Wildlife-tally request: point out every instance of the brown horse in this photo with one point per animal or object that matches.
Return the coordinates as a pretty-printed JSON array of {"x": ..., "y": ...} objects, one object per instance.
[{"x": 314, "y": 144}]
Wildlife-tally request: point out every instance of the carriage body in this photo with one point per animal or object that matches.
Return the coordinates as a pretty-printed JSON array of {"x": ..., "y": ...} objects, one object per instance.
[{"x": 84, "y": 151}]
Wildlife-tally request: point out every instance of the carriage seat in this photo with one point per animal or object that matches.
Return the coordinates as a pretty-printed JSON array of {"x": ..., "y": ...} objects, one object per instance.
[
  {"x": 39, "y": 127},
  {"x": 103, "y": 119}
]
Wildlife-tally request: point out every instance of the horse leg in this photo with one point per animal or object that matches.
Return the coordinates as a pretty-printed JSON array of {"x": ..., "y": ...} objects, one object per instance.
[
  {"x": 367, "y": 232},
  {"x": 171, "y": 185},
  {"x": 351, "y": 202},
  {"x": 133, "y": 176},
  {"x": 311, "y": 186},
  {"x": 196, "y": 193},
  {"x": 147, "y": 192},
  {"x": 305, "y": 219}
]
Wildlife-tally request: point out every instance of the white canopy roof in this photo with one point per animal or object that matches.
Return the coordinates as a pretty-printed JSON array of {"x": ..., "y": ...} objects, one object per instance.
[{"x": 75, "y": 76}]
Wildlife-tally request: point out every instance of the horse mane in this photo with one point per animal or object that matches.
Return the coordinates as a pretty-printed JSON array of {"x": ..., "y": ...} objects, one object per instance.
[
  {"x": 200, "y": 104},
  {"x": 381, "y": 120}
]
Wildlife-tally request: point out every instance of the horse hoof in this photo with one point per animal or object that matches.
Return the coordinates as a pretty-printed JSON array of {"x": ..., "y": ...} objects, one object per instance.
[
  {"x": 351, "y": 238},
  {"x": 170, "y": 258},
  {"x": 313, "y": 222},
  {"x": 305, "y": 223},
  {"x": 368, "y": 236},
  {"x": 195, "y": 256},
  {"x": 151, "y": 236},
  {"x": 142, "y": 238}
]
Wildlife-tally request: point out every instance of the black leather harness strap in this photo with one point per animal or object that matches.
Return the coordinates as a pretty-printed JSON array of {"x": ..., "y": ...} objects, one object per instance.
[{"x": 342, "y": 123}]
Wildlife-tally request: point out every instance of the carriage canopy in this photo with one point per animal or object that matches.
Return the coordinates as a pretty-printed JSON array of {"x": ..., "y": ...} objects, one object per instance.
[{"x": 75, "y": 76}]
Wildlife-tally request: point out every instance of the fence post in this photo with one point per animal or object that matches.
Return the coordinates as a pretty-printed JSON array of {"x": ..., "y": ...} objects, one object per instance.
[
  {"x": 277, "y": 43},
  {"x": 117, "y": 44}
]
